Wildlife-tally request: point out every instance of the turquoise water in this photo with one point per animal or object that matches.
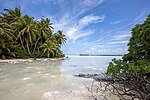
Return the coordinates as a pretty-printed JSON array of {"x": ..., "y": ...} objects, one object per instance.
[
  {"x": 86, "y": 64},
  {"x": 32, "y": 80}
]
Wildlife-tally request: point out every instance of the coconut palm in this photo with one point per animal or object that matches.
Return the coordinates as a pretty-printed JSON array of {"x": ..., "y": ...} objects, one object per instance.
[
  {"x": 60, "y": 37},
  {"x": 44, "y": 31},
  {"x": 6, "y": 36},
  {"x": 45, "y": 28},
  {"x": 11, "y": 15},
  {"x": 49, "y": 48},
  {"x": 26, "y": 31},
  {"x": 5, "y": 33}
]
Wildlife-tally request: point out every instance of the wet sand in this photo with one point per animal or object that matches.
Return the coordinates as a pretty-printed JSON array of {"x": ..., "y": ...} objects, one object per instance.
[{"x": 14, "y": 61}]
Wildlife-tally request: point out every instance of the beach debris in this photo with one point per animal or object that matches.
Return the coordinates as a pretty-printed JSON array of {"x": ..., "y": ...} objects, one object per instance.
[
  {"x": 86, "y": 75},
  {"x": 97, "y": 77}
]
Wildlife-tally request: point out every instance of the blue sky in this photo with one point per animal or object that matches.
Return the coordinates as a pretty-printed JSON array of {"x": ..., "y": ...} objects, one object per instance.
[{"x": 91, "y": 26}]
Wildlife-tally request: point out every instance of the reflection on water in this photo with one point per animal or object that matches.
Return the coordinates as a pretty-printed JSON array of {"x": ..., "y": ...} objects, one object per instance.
[{"x": 33, "y": 80}]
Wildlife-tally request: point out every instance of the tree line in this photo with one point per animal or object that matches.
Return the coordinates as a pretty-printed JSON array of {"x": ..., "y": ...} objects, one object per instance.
[{"x": 23, "y": 37}]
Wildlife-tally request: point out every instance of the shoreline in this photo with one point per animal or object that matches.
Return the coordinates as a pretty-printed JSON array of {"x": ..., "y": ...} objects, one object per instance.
[{"x": 14, "y": 61}]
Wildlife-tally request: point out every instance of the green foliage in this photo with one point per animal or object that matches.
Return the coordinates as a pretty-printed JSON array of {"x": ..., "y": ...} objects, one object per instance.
[
  {"x": 137, "y": 60},
  {"x": 139, "y": 44},
  {"x": 120, "y": 69},
  {"x": 133, "y": 71},
  {"x": 135, "y": 65},
  {"x": 20, "y": 53},
  {"x": 24, "y": 37}
]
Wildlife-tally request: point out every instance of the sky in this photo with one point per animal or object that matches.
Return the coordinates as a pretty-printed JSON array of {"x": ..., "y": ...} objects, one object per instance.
[{"x": 91, "y": 26}]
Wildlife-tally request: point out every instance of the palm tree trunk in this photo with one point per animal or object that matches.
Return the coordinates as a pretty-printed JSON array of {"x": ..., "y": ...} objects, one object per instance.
[
  {"x": 35, "y": 45},
  {"x": 28, "y": 47},
  {"x": 22, "y": 44}
]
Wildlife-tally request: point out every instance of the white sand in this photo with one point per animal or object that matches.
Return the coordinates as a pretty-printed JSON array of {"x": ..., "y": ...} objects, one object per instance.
[
  {"x": 80, "y": 94},
  {"x": 71, "y": 95},
  {"x": 13, "y": 61}
]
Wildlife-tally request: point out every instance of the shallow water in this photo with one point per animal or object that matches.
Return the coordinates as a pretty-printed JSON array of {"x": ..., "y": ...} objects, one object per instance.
[{"x": 35, "y": 80}]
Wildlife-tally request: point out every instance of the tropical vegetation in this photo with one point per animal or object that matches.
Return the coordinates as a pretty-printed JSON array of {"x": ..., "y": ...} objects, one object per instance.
[
  {"x": 21, "y": 36},
  {"x": 134, "y": 68}
]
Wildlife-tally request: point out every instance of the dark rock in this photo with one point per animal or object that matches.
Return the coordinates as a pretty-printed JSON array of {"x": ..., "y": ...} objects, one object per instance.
[
  {"x": 88, "y": 75},
  {"x": 103, "y": 77},
  {"x": 97, "y": 77}
]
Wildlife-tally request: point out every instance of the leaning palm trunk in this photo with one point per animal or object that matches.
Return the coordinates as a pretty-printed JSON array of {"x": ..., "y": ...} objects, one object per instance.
[
  {"x": 28, "y": 47},
  {"x": 22, "y": 44},
  {"x": 35, "y": 45}
]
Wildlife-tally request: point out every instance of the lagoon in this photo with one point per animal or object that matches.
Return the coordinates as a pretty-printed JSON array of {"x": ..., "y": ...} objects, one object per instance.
[{"x": 49, "y": 79}]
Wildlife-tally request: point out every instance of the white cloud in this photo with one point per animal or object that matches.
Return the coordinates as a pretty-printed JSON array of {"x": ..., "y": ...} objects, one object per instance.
[
  {"x": 121, "y": 36},
  {"x": 92, "y": 2},
  {"x": 81, "y": 34},
  {"x": 91, "y": 19},
  {"x": 76, "y": 34},
  {"x": 119, "y": 42},
  {"x": 78, "y": 8},
  {"x": 93, "y": 50},
  {"x": 76, "y": 31},
  {"x": 103, "y": 51},
  {"x": 85, "y": 5},
  {"x": 115, "y": 22}
]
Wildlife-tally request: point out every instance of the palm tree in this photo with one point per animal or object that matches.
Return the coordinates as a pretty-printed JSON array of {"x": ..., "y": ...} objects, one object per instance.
[
  {"x": 60, "y": 37},
  {"x": 45, "y": 28},
  {"x": 6, "y": 36},
  {"x": 26, "y": 31},
  {"x": 44, "y": 31},
  {"x": 5, "y": 33},
  {"x": 49, "y": 47},
  {"x": 11, "y": 15}
]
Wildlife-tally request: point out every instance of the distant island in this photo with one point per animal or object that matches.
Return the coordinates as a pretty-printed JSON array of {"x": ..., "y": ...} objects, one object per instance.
[{"x": 100, "y": 55}]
